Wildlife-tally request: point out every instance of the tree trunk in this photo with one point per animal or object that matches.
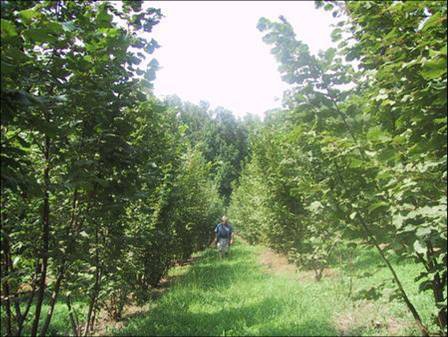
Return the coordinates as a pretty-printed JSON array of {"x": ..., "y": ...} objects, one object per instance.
[
  {"x": 22, "y": 319},
  {"x": 45, "y": 237},
  {"x": 53, "y": 300},
  {"x": 405, "y": 297},
  {"x": 92, "y": 303},
  {"x": 6, "y": 268},
  {"x": 96, "y": 286},
  {"x": 437, "y": 286},
  {"x": 6, "y": 289},
  {"x": 371, "y": 237},
  {"x": 318, "y": 273},
  {"x": 62, "y": 267},
  {"x": 92, "y": 322},
  {"x": 73, "y": 318}
]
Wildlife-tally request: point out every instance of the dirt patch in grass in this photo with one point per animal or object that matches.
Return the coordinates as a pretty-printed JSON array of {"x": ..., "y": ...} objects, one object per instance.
[
  {"x": 276, "y": 263},
  {"x": 307, "y": 276},
  {"x": 187, "y": 262},
  {"x": 105, "y": 324},
  {"x": 368, "y": 316}
]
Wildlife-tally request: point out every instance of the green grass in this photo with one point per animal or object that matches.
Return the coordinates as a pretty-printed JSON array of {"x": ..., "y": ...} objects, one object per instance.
[{"x": 235, "y": 297}]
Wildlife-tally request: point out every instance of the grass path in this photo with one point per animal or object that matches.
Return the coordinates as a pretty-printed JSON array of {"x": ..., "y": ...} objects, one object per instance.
[{"x": 235, "y": 296}]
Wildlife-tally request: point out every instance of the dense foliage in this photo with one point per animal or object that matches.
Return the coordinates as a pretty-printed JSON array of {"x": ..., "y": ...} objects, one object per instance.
[
  {"x": 359, "y": 155},
  {"x": 102, "y": 188},
  {"x": 221, "y": 137}
]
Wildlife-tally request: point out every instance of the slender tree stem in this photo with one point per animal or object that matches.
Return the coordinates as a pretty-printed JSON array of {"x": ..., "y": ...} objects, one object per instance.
[
  {"x": 72, "y": 316},
  {"x": 6, "y": 288},
  {"x": 437, "y": 286},
  {"x": 45, "y": 237},
  {"x": 63, "y": 265},
  {"x": 372, "y": 238},
  {"x": 53, "y": 300}
]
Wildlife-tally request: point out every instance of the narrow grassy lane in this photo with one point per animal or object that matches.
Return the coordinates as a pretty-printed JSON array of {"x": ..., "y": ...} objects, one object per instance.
[
  {"x": 234, "y": 297},
  {"x": 239, "y": 296}
]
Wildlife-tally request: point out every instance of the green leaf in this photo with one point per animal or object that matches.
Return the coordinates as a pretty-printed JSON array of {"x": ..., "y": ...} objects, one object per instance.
[
  {"x": 16, "y": 260},
  {"x": 68, "y": 26},
  {"x": 377, "y": 134},
  {"x": 315, "y": 205},
  {"x": 397, "y": 220},
  {"x": 104, "y": 19},
  {"x": 39, "y": 35},
  {"x": 423, "y": 232},
  {"x": 336, "y": 34},
  {"x": 54, "y": 27},
  {"x": 399, "y": 139},
  {"x": 434, "y": 68},
  {"x": 425, "y": 285},
  {"x": 442, "y": 120},
  {"x": 8, "y": 68},
  {"x": 263, "y": 24},
  {"x": 371, "y": 153},
  {"x": 8, "y": 29},
  {"x": 388, "y": 155},
  {"x": 28, "y": 14},
  {"x": 419, "y": 247},
  {"x": 433, "y": 21},
  {"x": 355, "y": 163},
  {"x": 436, "y": 53},
  {"x": 377, "y": 204}
]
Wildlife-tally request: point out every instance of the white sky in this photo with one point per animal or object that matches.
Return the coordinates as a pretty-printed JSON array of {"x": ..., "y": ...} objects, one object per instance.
[{"x": 212, "y": 50}]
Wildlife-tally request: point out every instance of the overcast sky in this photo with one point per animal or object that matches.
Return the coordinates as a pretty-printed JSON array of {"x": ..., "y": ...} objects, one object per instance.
[{"x": 212, "y": 51}]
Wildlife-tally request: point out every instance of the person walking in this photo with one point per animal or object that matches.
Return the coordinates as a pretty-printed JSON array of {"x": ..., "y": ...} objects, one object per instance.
[{"x": 223, "y": 236}]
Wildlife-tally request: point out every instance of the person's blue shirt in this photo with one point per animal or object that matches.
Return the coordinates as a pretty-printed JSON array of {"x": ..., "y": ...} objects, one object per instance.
[{"x": 223, "y": 231}]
